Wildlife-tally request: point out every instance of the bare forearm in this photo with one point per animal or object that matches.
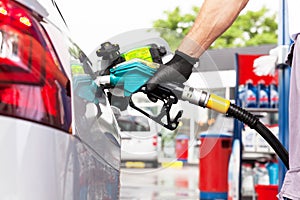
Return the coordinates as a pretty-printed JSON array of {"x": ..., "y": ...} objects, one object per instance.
[{"x": 214, "y": 18}]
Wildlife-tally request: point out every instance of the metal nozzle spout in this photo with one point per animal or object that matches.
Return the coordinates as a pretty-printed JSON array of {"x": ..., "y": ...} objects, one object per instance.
[{"x": 195, "y": 96}]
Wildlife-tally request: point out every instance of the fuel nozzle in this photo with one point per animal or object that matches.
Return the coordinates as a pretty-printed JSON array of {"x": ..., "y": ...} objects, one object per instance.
[{"x": 108, "y": 51}]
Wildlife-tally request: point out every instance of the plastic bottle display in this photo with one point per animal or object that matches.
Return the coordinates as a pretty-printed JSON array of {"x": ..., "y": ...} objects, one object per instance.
[
  {"x": 249, "y": 139},
  {"x": 263, "y": 95},
  {"x": 241, "y": 95},
  {"x": 272, "y": 167},
  {"x": 261, "y": 174},
  {"x": 273, "y": 95},
  {"x": 250, "y": 95},
  {"x": 247, "y": 179},
  {"x": 255, "y": 173}
]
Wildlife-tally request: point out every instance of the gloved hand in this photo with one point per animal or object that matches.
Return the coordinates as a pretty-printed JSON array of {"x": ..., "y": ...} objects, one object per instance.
[{"x": 178, "y": 69}]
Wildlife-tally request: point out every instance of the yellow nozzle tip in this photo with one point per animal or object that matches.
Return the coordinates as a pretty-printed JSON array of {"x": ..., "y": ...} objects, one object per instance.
[{"x": 218, "y": 103}]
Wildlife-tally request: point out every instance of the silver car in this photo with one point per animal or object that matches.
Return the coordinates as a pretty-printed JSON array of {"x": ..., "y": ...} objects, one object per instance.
[
  {"x": 59, "y": 138},
  {"x": 139, "y": 140}
]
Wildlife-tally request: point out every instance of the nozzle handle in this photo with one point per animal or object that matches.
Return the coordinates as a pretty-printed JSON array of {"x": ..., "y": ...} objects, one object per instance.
[{"x": 168, "y": 98}]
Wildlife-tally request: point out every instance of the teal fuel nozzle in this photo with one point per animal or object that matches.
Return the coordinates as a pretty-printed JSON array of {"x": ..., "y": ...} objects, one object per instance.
[
  {"x": 132, "y": 75},
  {"x": 85, "y": 88}
]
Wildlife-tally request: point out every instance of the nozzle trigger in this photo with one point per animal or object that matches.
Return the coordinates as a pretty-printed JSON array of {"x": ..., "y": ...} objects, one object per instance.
[{"x": 168, "y": 98}]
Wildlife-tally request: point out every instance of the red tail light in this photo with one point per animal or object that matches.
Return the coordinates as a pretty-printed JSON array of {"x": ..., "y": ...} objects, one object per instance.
[
  {"x": 154, "y": 142},
  {"x": 32, "y": 85}
]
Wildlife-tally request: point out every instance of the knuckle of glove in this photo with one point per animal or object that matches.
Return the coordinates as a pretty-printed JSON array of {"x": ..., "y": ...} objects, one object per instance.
[{"x": 178, "y": 69}]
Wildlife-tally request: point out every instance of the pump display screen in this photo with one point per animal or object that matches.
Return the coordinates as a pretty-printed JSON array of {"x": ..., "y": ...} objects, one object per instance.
[{"x": 142, "y": 53}]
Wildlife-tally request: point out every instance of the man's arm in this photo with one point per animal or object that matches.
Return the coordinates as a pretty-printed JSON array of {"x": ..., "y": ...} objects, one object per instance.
[{"x": 213, "y": 19}]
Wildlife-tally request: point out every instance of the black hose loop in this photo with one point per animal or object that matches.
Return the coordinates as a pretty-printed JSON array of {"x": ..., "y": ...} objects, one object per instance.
[
  {"x": 242, "y": 115},
  {"x": 274, "y": 143},
  {"x": 254, "y": 123}
]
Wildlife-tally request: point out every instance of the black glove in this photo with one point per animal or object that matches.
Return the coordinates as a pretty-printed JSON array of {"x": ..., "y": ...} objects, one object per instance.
[{"x": 178, "y": 69}]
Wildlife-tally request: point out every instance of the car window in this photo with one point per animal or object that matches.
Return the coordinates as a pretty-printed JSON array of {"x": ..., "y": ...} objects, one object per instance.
[{"x": 133, "y": 123}]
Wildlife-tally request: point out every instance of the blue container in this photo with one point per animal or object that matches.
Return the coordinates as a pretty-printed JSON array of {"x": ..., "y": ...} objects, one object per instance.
[
  {"x": 213, "y": 195},
  {"x": 250, "y": 95},
  {"x": 273, "y": 95},
  {"x": 241, "y": 94},
  {"x": 273, "y": 173},
  {"x": 263, "y": 95}
]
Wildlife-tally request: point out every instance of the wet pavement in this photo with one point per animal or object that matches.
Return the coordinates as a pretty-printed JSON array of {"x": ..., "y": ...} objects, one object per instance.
[{"x": 165, "y": 182}]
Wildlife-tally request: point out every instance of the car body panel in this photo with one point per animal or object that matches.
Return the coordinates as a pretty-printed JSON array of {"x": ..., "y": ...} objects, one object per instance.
[{"x": 45, "y": 163}]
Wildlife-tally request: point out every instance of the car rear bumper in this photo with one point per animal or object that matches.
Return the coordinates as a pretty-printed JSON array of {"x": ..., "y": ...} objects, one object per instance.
[
  {"x": 39, "y": 162},
  {"x": 139, "y": 156}
]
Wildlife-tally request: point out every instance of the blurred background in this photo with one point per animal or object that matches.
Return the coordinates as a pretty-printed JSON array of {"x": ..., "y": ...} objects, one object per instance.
[{"x": 96, "y": 21}]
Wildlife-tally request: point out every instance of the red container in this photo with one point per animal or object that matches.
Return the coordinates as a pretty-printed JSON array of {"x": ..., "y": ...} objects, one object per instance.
[
  {"x": 182, "y": 147},
  {"x": 214, "y": 154},
  {"x": 266, "y": 192}
]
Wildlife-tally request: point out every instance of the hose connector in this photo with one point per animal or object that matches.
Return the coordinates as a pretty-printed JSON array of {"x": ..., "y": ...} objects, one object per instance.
[
  {"x": 218, "y": 103},
  {"x": 194, "y": 96},
  {"x": 205, "y": 100}
]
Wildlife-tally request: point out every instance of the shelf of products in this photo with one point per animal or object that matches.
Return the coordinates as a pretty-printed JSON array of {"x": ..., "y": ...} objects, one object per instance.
[
  {"x": 262, "y": 110},
  {"x": 252, "y": 156},
  {"x": 258, "y": 95}
]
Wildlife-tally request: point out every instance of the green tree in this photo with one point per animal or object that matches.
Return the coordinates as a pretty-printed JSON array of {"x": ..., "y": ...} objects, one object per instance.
[
  {"x": 250, "y": 29},
  {"x": 175, "y": 26}
]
